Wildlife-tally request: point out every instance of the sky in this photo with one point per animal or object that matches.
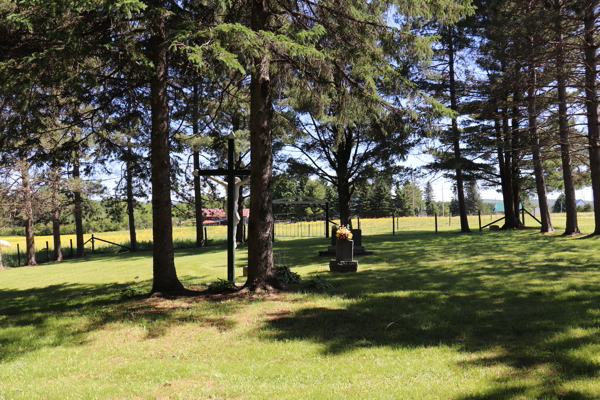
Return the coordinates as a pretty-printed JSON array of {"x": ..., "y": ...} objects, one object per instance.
[{"x": 443, "y": 187}]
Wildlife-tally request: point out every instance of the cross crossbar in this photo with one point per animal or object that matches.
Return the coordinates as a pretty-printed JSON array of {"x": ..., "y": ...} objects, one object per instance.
[{"x": 222, "y": 172}]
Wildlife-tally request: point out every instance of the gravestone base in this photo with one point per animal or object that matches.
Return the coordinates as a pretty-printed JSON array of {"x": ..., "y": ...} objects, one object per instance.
[
  {"x": 358, "y": 251},
  {"x": 343, "y": 266}
]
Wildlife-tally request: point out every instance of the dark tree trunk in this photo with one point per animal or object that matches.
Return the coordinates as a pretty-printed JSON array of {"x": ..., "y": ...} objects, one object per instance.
[
  {"x": 198, "y": 203},
  {"x": 30, "y": 240},
  {"x": 535, "y": 149},
  {"x": 28, "y": 211},
  {"x": 260, "y": 247},
  {"x": 58, "y": 254},
  {"x": 342, "y": 158},
  {"x": 165, "y": 279},
  {"x": 77, "y": 212},
  {"x": 197, "y": 187},
  {"x": 131, "y": 201},
  {"x": 511, "y": 220},
  {"x": 591, "y": 93},
  {"x": 565, "y": 145},
  {"x": 500, "y": 149},
  {"x": 239, "y": 232},
  {"x": 344, "y": 201},
  {"x": 464, "y": 221},
  {"x": 516, "y": 151}
]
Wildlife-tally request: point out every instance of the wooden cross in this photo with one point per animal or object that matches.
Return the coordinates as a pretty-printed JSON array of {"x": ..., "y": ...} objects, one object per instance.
[{"x": 230, "y": 172}]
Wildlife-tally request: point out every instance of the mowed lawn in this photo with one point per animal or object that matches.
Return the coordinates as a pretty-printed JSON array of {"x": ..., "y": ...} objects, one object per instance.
[{"x": 492, "y": 315}]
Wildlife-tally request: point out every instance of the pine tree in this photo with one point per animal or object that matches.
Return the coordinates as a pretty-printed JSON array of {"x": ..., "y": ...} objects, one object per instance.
[
  {"x": 559, "y": 204},
  {"x": 413, "y": 197},
  {"x": 402, "y": 203},
  {"x": 590, "y": 49},
  {"x": 453, "y": 39},
  {"x": 560, "y": 66},
  {"x": 473, "y": 200},
  {"x": 430, "y": 204},
  {"x": 380, "y": 201}
]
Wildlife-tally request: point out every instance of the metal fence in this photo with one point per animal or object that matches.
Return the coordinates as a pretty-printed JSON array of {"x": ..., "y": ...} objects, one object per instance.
[
  {"x": 442, "y": 223},
  {"x": 300, "y": 229}
]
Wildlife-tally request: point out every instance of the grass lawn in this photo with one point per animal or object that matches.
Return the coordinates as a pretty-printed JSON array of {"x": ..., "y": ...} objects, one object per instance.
[{"x": 502, "y": 315}]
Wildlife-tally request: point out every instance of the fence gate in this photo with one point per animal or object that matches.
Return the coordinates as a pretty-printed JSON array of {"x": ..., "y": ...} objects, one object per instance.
[{"x": 304, "y": 201}]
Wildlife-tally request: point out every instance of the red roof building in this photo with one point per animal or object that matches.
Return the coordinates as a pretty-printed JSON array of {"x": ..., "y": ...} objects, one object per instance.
[
  {"x": 216, "y": 213},
  {"x": 213, "y": 213}
]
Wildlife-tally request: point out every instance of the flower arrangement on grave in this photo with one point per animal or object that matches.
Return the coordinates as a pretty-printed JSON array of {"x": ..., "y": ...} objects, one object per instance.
[{"x": 343, "y": 233}]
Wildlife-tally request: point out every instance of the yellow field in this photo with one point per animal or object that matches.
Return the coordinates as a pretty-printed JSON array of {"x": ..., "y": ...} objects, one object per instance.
[
  {"x": 446, "y": 223},
  {"x": 120, "y": 237}
]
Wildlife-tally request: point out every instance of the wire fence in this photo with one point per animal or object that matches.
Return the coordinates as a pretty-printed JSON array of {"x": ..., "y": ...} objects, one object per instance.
[
  {"x": 452, "y": 223},
  {"x": 300, "y": 229},
  {"x": 182, "y": 237}
]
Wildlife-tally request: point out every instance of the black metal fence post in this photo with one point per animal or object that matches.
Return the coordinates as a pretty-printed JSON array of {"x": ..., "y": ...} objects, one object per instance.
[
  {"x": 18, "y": 256},
  {"x": 47, "y": 252},
  {"x": 93, "y": 247},
  {"x": 436, "y": 226},
  {"x": 479, "y": 212}
]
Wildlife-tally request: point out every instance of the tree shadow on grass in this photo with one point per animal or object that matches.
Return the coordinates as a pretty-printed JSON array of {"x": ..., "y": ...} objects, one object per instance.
[
  {"x": 509, "y": 312},
  {"x": 65, "y": 315},
  {"x": 129, "y": 256},
  {"x": 146, "y": 254}
]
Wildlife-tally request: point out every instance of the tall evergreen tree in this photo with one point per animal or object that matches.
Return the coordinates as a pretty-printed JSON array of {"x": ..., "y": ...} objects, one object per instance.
[
  {"x": 473, "y": 200},
  {"x": 590, "y": 50},
  {"x": 561, "y": 67},
  {"x": 453, "y": 39},
  {"x": 534, "y": 44},
  {"x": 430, "y": 203},
  {"x": 380, "y": 201}
]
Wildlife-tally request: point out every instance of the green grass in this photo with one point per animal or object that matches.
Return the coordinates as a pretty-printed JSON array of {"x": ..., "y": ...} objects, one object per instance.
[{"x": 502, "y": 315}]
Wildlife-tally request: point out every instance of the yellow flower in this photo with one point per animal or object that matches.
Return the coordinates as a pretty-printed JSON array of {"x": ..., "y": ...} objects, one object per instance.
[{"x": 343, "y": 233}]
